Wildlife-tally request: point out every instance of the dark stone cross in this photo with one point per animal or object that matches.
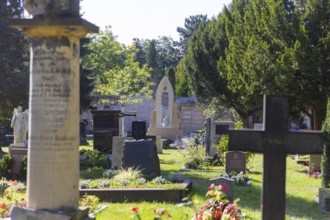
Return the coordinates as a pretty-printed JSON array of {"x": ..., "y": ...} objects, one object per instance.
[{"x": 275, "y": 141}]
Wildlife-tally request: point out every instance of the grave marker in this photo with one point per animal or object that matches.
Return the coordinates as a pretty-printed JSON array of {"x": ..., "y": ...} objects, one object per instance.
[
  {"x": 142, "y": 154},
  {"x": 229, "y": 186},
  {"x": 235, "y": 162},
  {"x": 275, "y": 142},
  {"x": 53, "y": 164}
]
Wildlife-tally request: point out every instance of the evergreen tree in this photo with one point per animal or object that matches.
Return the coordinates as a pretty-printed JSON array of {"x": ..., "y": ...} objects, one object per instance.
[{"x": 14, "y": 61}]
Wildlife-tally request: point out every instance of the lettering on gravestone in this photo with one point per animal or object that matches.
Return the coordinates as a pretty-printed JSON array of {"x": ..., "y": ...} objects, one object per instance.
[{"x": 235, "y": 162}]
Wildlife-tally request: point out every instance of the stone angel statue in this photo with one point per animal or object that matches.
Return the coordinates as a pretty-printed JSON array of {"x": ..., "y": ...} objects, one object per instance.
[{"x": 19, "y": 123}]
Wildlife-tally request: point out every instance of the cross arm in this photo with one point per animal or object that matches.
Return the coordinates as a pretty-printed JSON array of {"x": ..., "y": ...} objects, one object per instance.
[
  {"x": 305, "y": 142},
  {"x": 246, "y": 140}
]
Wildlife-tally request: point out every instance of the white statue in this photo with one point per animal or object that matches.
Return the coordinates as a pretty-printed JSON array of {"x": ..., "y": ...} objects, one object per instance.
[
  {"x": 165, "y": 121},
  {"x": 19, "y": 123}
]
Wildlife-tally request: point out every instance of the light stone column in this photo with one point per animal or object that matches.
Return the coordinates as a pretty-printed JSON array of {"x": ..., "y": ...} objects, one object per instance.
[{"x": 53, "y": 154}]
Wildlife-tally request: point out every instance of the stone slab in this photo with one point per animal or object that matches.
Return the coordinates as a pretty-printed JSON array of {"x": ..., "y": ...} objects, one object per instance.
[
  {"x": 17, "y": 154},
  {"x": 229, "y": 186},
  {"x": 235, "y": 162},
  {"x": 18, "y": 213}
]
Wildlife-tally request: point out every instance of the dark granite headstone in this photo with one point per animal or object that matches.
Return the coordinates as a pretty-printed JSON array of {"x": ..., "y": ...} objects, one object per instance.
[
  {"x": 229, "y": 186},
  {"x": 221, "y": 129},
  {"x": 105, "y": 126},
  {"x": 83, "y": 133},
  {"x": 139, "y": 130},
  {"x": 235, "y": 162},
  {"x": 142, "y": 154}
]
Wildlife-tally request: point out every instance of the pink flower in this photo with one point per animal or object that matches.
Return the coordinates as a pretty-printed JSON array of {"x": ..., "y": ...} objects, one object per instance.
[{"x": 223, "y": 187}]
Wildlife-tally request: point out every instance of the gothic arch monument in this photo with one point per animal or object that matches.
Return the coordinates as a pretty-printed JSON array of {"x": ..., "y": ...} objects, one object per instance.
[{"x": 165, "y": 118}]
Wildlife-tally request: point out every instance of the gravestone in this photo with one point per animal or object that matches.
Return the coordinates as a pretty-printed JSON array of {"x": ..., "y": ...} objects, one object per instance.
[
  {"x": 158, "y": 140},
  {"x": 117, "y": 150},
  {"x": 53, "y": 164},
  {"x": 105, "y": 127},
  {"x": 235, "y": 162},
  {"x": 83, "y": 133},
  {"x": 139, "y": 130},
  {"x": 141, "y": 154},
  {"x": 219, "y": 128},
  {"x": 229, "y": 186},
  {"x": 207, "y": 142},
  {"x": 275, "y": 142}
]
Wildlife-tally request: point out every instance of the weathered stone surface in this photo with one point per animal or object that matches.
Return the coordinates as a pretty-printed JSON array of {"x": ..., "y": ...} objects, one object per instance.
[
  {"x": 17, "y": 154},
  {"x": 117, "y": 150}
]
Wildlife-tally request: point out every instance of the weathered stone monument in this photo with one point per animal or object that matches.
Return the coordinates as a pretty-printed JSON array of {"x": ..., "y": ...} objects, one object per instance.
[
  {"x": 275, "y": 141},
  {"x": 53, "y": 156},
  {"x": 215, "y": 130},
  {"x": 235, "y": 162},
  {"x": 165, "y": 119}
]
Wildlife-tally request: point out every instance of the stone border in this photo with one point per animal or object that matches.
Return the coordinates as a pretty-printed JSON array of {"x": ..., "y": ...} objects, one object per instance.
[{"x": 140, "y": 194}]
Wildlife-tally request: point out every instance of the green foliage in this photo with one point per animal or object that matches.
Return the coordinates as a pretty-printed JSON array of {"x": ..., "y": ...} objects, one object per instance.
[
  {"x": 5, "y": 164},
  {"x": 129, "y": 174},
  {"x": 94, "y": 158},
  {"x": 181, "y": 81},
  {"x": 170, "y": 73},
  {"x": 90, "y": 201},
  {"x": 119, "y": 75},
  {"x": 92, "y": 173},
  {"x": 14, "y": 59},
  {"x": 325, "y": 168},
  {"x": 194, "y": 156}
]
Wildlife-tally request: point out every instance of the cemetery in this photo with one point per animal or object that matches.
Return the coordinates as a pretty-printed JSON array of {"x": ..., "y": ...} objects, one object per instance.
[{"x": 209, "y": 127}]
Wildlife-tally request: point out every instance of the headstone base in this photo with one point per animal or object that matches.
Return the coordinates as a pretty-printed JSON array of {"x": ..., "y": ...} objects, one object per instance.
[{"x": 18, "y": 213}]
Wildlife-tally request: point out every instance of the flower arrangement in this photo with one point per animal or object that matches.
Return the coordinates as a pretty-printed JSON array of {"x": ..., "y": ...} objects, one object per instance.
[
  {"x": 217, "y": 206},
  {"x": 313, "y": 174},
  {"x": 13, "y": 193},
  {"x": 240, "y": 178}
]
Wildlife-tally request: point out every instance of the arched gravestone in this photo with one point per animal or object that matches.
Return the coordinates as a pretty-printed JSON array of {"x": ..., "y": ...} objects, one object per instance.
[{"x": 275, "y": 141}]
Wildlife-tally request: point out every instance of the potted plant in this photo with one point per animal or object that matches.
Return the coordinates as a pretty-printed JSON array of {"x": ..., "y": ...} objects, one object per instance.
[{"x": 324, "y": 192}]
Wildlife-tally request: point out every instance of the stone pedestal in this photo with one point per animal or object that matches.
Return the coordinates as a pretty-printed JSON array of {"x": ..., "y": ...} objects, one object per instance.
[
  {"x": 17, "y": 154},
  {"x": 53, "y": 164}
]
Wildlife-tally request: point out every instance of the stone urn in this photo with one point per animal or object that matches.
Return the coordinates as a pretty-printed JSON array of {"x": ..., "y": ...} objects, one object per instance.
[{"x": 324, "y": 199}]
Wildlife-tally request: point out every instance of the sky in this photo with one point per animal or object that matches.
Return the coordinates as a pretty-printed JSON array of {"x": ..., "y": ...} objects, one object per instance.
[{"x": 146, "y": 19}]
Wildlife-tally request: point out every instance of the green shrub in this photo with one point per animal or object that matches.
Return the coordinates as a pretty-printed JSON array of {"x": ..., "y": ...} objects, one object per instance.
[
  {"x": 194, "y": 156},
  {"x": 94, "y": 158},
  {"x": 5, "y": 165},
  {"x": 129, "y": 174},
  {"x": 92, "y": 173}
]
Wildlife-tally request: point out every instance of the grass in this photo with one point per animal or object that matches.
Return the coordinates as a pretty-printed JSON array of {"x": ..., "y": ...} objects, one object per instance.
[{"x": 300, "y": 192}]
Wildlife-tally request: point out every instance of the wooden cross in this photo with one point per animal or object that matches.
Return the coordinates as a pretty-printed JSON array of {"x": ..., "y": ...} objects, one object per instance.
[{"x": 275, "y": 141}]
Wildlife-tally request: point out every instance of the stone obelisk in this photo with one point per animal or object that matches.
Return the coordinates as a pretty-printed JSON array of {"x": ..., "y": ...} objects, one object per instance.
[{"x": 53, "y": 154}]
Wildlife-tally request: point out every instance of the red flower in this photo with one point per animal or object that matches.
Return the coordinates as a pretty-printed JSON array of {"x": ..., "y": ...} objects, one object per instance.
[
  {"x": 135, "y": 209},
  {"x": 223, "y": 187},
  {"x": 3, "y": 205}
]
